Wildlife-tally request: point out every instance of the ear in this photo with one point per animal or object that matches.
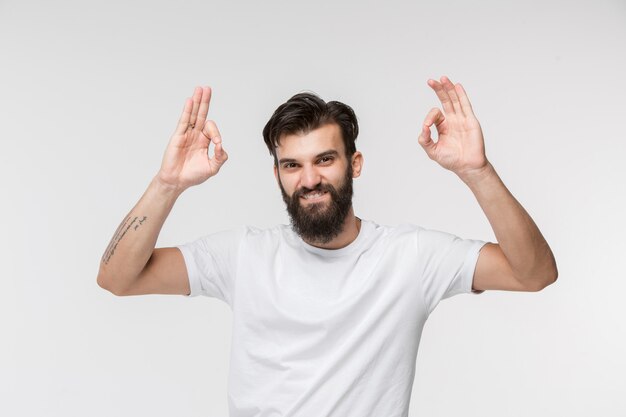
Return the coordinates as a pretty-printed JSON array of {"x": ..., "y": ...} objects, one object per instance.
[
  {"x": 276, "y": 175},
  {"x": 357, "y": 164}
]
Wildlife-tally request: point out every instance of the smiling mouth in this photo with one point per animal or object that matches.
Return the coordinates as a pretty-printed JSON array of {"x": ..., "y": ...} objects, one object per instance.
[{"x": 314, "y": 195}]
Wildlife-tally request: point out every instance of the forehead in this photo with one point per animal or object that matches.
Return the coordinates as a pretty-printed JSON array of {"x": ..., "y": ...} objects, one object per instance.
[{"x": 306, "y": 146}]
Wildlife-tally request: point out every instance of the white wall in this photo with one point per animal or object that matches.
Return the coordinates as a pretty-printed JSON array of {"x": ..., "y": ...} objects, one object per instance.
[{"x": 91, "y": 91}]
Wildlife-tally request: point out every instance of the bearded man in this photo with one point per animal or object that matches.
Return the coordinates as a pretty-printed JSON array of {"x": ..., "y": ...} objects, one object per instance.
[{"x": 327, "y": 311}]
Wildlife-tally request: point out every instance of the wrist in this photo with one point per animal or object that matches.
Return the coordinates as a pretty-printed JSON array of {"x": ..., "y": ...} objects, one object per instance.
[
  {"x": 165, "y": 188},
  {"x": 475, "y": 176}
]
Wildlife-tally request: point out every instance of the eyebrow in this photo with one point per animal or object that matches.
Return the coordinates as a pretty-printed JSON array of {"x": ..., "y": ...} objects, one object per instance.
[{"x": 318, "y": 156}]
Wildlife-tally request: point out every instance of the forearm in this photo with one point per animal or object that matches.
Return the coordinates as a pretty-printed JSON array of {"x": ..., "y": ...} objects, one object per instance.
[
  {"x": 520, "y": 239},
  {"x": 135, "y": 238}
]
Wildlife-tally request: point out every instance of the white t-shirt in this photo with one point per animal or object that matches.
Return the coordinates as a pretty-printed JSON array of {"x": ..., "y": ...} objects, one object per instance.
[{"x": 319, "y": 332}]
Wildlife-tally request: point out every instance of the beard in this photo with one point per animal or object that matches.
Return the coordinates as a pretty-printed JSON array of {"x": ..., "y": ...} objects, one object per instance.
[{"x": 320, "y": 222}]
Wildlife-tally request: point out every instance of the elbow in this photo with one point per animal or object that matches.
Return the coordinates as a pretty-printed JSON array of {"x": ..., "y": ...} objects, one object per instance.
[
  {"x": 546, "y": 274},
  {"x": 546, "y": 279},
  {"x": 552, "y": 274},
  {"x": 106, "y": 284}
]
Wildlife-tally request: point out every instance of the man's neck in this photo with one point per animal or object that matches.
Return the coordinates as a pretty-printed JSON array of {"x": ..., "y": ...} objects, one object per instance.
[{"x": 351, "y": 229}]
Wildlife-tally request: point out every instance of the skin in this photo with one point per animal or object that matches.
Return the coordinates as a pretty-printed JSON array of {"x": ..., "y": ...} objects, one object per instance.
[
  {"x": 131, "y": 264},
  {"x": 185, "y": 162},
  {"x": 520, "y": 261},
  {"x": 318, "y": 157}
]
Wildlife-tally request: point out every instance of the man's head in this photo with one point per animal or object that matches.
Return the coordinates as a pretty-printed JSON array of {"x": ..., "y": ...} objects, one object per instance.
[
  {"x": 315, "y": 159},
  {"x": 305, "y": 112}
]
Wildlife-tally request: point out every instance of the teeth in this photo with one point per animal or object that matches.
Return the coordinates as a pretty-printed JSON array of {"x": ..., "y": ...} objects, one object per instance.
[{"x": 313, "y": 195}]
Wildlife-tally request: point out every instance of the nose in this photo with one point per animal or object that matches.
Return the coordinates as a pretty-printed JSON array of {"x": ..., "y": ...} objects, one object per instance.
[{"x": 310, "y": 177}]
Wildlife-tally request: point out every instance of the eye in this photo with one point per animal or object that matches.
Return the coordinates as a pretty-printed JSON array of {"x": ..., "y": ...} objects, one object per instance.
[
  {"x": 289, "y": 165},
  {"x": 326, "y": 159}
]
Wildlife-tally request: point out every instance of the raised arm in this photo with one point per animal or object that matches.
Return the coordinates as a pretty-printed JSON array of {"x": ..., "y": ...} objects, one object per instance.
[
  {"x": 522, "y": 259},
  {"x": 130, "y": 264}
]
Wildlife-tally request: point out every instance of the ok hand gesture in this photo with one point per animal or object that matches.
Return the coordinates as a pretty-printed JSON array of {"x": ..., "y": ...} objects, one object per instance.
[
  {"x": 460, "y": 146},
  {"x": 186, "y": 161}
]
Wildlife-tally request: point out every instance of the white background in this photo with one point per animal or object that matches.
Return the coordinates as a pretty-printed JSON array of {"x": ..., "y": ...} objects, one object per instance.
[{"x": 91, "y": 91}]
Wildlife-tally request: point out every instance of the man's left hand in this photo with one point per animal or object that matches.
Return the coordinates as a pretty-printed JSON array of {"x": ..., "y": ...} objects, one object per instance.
[{"x": 460, "y": 146}]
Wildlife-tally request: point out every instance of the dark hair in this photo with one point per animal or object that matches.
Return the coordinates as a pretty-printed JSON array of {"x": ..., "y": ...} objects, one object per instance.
[{"x": 305, "y": 112}]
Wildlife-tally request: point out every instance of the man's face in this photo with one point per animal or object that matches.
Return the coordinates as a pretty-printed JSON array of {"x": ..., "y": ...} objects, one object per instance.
[{"x": 315, "y": 179}]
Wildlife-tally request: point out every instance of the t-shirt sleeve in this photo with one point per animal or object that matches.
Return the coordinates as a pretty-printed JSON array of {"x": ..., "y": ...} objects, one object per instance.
[
  {"x": 446, "y": 263},
  {"x": 211, "y": 263}
]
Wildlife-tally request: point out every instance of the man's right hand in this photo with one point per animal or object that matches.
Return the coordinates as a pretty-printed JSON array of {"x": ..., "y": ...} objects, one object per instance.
[{"x": 186, "y": 161}]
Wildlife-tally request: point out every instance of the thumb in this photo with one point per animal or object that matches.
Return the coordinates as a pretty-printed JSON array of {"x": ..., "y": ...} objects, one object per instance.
[
  {"x": 220, "y": 154},
  {"x": 436, "y": 117},
  {"x": 426, "y": 141}
]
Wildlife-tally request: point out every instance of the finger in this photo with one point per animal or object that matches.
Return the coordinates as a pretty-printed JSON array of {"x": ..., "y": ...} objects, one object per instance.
[
  {"x": 426, "y": 140},
  {"x": 204, "y": 108},
  {"x": 197, "y": 95},
  {"x": 436, "y": 117},
  {"x": 465, "y": 103},
  {"x": 442, "y": 95},
  {"x": 212, "y": 133},
  {"x": 449, "y": 88},
  {"x": 220, "y": 154},
  {"x": 183, "y": 122}
]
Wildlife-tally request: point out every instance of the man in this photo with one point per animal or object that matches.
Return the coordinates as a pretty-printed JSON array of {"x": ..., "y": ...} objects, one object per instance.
[{"x": 327, "y": 312}]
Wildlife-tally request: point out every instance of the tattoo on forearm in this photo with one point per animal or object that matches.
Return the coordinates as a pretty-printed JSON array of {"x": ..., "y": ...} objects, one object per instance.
[{"x": 121, "y": 231}]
